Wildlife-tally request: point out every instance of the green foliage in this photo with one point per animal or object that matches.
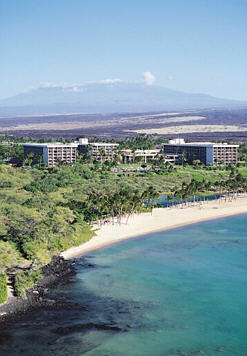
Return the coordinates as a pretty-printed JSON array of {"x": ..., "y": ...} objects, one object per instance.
[
  {"x": 140, "y": 142},
  {"x": 46, "y": 210},
  {"x": 13, "y": 177},
  {"x": 3, "y": 288},
  {"x": 11, "y": 152},
  {"x": 9, "y": 256},
  {"x": 36, "y": 223},
  {"x": 112, "y": 203},
  {"x": 25, "y": 280}
]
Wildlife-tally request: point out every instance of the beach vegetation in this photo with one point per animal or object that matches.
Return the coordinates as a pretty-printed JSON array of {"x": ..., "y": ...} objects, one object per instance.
[
  {"x": 24, "y": 281},
  {"x": 3, "y": 288},
  {"x": 46, "y": 210}
]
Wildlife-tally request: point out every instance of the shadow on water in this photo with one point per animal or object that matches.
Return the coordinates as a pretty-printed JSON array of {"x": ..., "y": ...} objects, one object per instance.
[{"x": 72, "y": 325}]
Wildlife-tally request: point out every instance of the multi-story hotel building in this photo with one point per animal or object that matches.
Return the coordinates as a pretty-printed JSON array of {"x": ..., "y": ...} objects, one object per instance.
[
  {"x": 51, "y": 153},
  {"x": 175, "y": 150},
  {"x": 98, "y": 150},
  {"x": 206, "y": 152}
]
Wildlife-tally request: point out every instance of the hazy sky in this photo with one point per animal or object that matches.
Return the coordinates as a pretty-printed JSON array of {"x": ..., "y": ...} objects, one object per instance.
[{"x": 189, "y": 45}]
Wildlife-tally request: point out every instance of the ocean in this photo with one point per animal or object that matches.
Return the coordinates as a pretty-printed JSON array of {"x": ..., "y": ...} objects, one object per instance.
[{"x": 181, "y": 292}]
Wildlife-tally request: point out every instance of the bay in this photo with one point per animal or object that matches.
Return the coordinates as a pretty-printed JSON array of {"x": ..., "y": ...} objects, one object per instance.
[{"x": 178, "y": 292}]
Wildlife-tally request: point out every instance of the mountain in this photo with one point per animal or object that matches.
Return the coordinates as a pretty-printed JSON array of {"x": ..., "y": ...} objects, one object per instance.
[{"x": 108, "y": 96}]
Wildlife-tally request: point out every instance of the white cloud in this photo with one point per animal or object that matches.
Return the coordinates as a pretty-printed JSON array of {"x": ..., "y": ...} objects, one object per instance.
[
  {"x": 65, "y": 86},
  {"x": 149, "y": 78},
  {"x": 109, "y": 81},
  {"x": 76, "y": 86},
  {"x": 170, "y": 77},
  {"x": 55, "y": 85}
]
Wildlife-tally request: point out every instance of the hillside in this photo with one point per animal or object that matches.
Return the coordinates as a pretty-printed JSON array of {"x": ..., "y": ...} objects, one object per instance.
[{"x": 108, "y": 97}]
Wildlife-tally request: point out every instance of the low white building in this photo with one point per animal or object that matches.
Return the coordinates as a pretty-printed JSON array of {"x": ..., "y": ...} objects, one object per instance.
[{"x": 130, "y": 156}]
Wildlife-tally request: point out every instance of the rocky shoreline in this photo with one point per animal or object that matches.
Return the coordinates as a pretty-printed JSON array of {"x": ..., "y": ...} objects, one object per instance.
[{"x": 57, "y": 271}]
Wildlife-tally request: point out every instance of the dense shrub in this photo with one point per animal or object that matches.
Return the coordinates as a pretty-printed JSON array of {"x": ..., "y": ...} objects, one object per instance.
[
  {"x": 25, "y": 280},
  {"x": 3, "y": 288},
  {"x": 6, "y": 184},
  {"x": 9, "y": 255}
]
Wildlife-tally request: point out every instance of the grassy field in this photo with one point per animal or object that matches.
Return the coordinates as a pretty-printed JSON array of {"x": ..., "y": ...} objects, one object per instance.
[{"x": 164, "y": 183}]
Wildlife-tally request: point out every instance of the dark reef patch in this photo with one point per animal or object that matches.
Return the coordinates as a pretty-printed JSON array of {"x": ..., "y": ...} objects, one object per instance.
[
  {"x": 66, "y": 330},
  {"x": 57, "y": 271}
]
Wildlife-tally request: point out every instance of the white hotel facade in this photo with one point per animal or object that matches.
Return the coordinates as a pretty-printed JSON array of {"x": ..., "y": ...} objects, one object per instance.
[{"x": 206, "y": 152}]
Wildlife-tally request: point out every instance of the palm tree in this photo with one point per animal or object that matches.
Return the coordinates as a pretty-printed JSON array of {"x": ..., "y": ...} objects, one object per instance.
[
  {"x": 28, "y": 159},
  {"x": 40, "y": 159},
  {"x": 102, "y": 154}
]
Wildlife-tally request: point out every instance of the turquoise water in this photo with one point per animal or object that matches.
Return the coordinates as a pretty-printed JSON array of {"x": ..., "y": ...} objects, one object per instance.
[
  {"x": 179, "y": 292},
  {"x": 162, "y": 200}
]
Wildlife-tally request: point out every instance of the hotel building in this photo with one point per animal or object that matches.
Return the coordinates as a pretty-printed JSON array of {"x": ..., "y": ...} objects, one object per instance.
[
  {"x": 51, "y": 153},
  {"x": 174, "y": 151},
  {"x": 206, "y": 152},
  {"x": 98, "y": 150}
]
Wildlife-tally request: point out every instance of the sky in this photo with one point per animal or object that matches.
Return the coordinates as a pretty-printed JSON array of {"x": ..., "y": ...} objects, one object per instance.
[{"x": 196, "y": 46}]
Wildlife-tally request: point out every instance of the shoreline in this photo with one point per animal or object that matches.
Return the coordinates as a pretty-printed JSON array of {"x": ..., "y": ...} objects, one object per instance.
[
  {"x": 38, "y": 296},
  {"x": 139, "y": 225},
  {"x": 161, "y": 219}
]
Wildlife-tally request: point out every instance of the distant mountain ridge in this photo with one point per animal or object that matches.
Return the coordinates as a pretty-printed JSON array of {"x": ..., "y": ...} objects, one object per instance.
[{"x": 109, "y": 97}]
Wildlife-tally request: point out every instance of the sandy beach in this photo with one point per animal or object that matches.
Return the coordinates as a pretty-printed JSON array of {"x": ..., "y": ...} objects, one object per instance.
[{"x": 161, "y": 219}]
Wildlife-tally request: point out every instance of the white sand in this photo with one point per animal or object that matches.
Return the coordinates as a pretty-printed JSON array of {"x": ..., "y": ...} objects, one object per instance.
[{"x": 160, "y": 219}]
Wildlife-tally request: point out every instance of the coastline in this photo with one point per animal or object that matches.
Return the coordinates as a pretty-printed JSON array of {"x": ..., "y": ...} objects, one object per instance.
[
  {"x": 38, "y": 295},
  {"x": 161, "y": 219}
]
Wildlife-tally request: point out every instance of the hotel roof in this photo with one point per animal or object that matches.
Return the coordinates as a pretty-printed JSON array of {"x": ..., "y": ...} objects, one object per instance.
[
  {"x": 51, "y": 144},
  {"x": 103, "y": 144},
  {"x": 202, "y": 144}
]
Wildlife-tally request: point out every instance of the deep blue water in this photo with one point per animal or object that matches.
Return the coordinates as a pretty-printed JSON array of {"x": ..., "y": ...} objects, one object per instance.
[{"x": 180, "y": 292}]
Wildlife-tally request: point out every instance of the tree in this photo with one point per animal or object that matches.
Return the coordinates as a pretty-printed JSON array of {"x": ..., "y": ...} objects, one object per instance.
[
  {"x": 27, "y": 161},
  {"x": 102, "y": 154}
]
